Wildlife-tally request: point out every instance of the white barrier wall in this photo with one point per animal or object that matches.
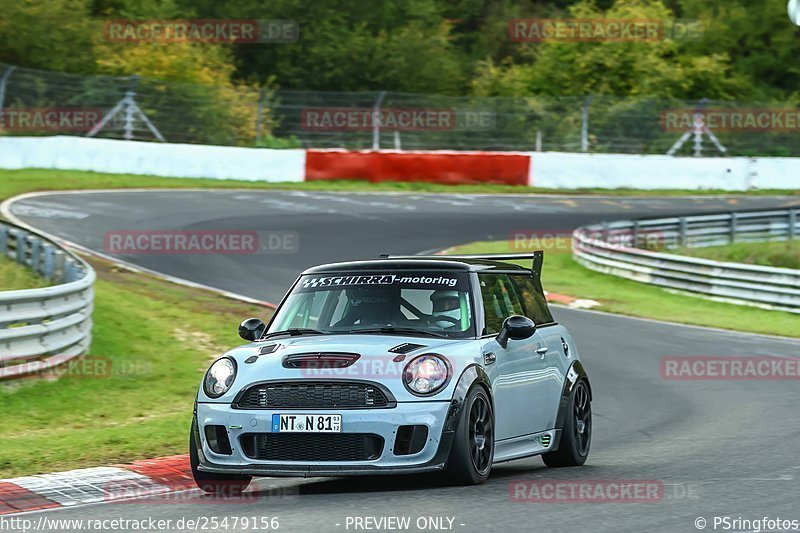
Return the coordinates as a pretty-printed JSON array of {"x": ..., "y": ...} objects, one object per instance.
[
  {"x": 611, "y": 171},
  {"x": 158, "y": 159},
  {"x": 546, "y": 169}
]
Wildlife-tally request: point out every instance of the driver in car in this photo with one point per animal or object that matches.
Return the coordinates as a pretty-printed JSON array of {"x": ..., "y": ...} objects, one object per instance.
[
  {"x": 446, "y": 309},
  {"x": 372, "y": 306}
]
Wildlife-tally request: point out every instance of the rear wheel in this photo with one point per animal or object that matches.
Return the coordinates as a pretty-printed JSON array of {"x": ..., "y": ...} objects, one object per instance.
[
  {"x": 473, "y": 445},
  {"x": 576, "y": 436},
  {"x": 228, "y": 485}
]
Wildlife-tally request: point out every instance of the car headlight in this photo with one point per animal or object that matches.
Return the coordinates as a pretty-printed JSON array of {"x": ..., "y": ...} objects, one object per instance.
[
  {"x": 426, "y": 374},
  {"x": 219, "y": 377}
]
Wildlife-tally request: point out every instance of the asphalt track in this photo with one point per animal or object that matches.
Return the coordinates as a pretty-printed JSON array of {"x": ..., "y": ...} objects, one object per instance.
[{"x": 719, "y": 448}]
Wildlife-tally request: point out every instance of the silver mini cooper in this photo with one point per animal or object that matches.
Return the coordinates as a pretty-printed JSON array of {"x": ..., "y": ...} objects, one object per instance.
[{"x": 396, "y": 365}]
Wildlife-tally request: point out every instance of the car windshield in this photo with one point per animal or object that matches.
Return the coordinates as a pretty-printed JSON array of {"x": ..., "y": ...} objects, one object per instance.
[{"x": 407, "y": 303}]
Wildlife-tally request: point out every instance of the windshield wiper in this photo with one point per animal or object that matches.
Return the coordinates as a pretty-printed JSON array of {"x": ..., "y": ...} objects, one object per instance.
[
  {"x": 295, "y": 332},
  {"x": 396, "y": 329}
]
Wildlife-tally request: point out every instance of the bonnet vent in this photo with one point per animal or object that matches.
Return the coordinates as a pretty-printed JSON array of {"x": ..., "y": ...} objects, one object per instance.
[{"x": 406, "y": 347}]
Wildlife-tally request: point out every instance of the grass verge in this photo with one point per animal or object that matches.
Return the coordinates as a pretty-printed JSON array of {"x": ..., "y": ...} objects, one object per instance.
[
  {"x": 13, "y": 182},
  {"x": 618, "y": 295},
  {"x": 777, "y": 254},
  {"x": 152, "y": 342},
  {"x": 14, "y": 276}
]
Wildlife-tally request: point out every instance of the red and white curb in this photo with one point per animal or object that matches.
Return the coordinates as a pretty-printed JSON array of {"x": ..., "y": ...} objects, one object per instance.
[
  {"x": 153, "y": 477},
  {"x": 570, "y": 301}
]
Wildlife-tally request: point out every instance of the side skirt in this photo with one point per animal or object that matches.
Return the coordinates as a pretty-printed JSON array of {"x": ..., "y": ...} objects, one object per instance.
[{"x": 526, "y": 446}]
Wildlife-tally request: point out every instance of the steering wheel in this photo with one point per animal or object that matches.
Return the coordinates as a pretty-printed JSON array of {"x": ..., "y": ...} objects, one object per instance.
[{"x": 443, "y": 318}]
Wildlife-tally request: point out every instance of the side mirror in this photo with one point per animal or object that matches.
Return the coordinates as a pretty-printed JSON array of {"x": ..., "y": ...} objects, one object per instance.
[
  {"x": 517, "y": 328},
  {"x": 252, "y": 329}
]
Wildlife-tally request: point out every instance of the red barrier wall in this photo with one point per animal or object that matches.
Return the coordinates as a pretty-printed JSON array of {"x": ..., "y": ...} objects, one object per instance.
[{"x": 435, "y": 167}]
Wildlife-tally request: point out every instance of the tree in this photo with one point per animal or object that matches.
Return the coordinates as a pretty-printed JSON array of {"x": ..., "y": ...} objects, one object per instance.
[
  {"x": 665, "y": 68},
  {"x": 47, "y": 34}
]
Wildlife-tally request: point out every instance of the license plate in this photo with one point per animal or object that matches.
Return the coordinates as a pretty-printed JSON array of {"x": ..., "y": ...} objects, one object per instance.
[{"x": 301, "y": 423}]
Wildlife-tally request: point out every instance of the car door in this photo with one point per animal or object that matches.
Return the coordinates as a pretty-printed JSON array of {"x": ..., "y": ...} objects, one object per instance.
[
  {"x": 518, "y": 369},
  {"x": 555, "y": 358}
]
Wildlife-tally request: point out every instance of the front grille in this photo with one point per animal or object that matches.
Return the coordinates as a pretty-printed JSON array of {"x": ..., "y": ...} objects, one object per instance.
[
  {"x": 332, "y": 447},
  {"x": 314, "y": 395}
]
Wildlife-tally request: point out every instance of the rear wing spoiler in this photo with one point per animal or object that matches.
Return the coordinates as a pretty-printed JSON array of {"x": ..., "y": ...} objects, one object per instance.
[{"x": 536, "y": 257}]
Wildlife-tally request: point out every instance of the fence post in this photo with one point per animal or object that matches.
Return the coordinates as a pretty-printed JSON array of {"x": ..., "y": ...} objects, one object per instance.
[
  {"x": 260, "y": 115},
  {"x": 636, "y": 233},
  {"x": 3, "y": 82},
  {"x": 585, "y": 124},
  {"x": 538, "y": 140},
  {"x": 376, "y": 122},
  {"x": 792, "y": 223},
  {"x": 734, "y": 221}
]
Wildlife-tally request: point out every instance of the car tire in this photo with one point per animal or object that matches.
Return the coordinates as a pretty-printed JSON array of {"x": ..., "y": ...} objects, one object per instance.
[
  {"x": 226, "y": 485},
  {"x": 576, "y": 435},
  {"x": 471, "y": 455}
]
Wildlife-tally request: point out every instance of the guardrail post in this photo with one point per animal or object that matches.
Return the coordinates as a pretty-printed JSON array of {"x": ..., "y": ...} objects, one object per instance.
[
  {"x": 604, "y": 233},
  {"x": 58, "y": 265},
  {"x": 49, "y": 261},
  {"x": 734, "y": 221},
  {"x": 791, "y": 228},
  {"x": 36, "y": 251},
  {"x": 682, "y": 231},
  {"x": 3, "y": 240},
  {"x": 22, "y": 242},
  {"x": 635, "y": 234}
]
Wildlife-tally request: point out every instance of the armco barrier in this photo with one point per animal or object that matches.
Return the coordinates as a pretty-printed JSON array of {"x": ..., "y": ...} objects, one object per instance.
[
  {"x": 621, "y": 248},
  {"x": 46, "y": 327}
]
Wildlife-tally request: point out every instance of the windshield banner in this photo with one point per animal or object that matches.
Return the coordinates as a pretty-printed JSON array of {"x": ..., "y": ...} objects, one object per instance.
[{"x": 415, "y": 280}]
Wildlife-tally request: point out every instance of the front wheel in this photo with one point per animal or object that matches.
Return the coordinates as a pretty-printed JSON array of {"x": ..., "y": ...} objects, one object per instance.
[
  {"x": 473, "y": 445},
  {"x": 576, "y": 436},
  {"x": 227, "y": 485}
]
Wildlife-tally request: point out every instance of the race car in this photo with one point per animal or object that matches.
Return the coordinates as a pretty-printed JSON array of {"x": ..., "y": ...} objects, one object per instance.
[{"x": 396, "y": 365}]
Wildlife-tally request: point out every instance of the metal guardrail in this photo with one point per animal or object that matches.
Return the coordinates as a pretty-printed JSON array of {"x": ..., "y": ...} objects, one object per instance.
[
  {"x": 633, "y": 249},
  {"x": 45, "y": 327}
]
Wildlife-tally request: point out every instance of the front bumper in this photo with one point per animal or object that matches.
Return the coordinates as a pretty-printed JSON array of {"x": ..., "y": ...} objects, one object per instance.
[{"x": 382, "y": 422}]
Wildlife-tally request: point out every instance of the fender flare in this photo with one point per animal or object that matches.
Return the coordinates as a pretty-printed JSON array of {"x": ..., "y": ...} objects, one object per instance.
[
  {"x": 471, "y": 376},
  {"x": 575, "y": 373}
]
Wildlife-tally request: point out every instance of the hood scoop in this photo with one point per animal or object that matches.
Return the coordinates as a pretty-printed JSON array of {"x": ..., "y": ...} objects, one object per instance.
[
  {"x": 406, "y": 347},
  {"x": 320, "y": 360}
]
